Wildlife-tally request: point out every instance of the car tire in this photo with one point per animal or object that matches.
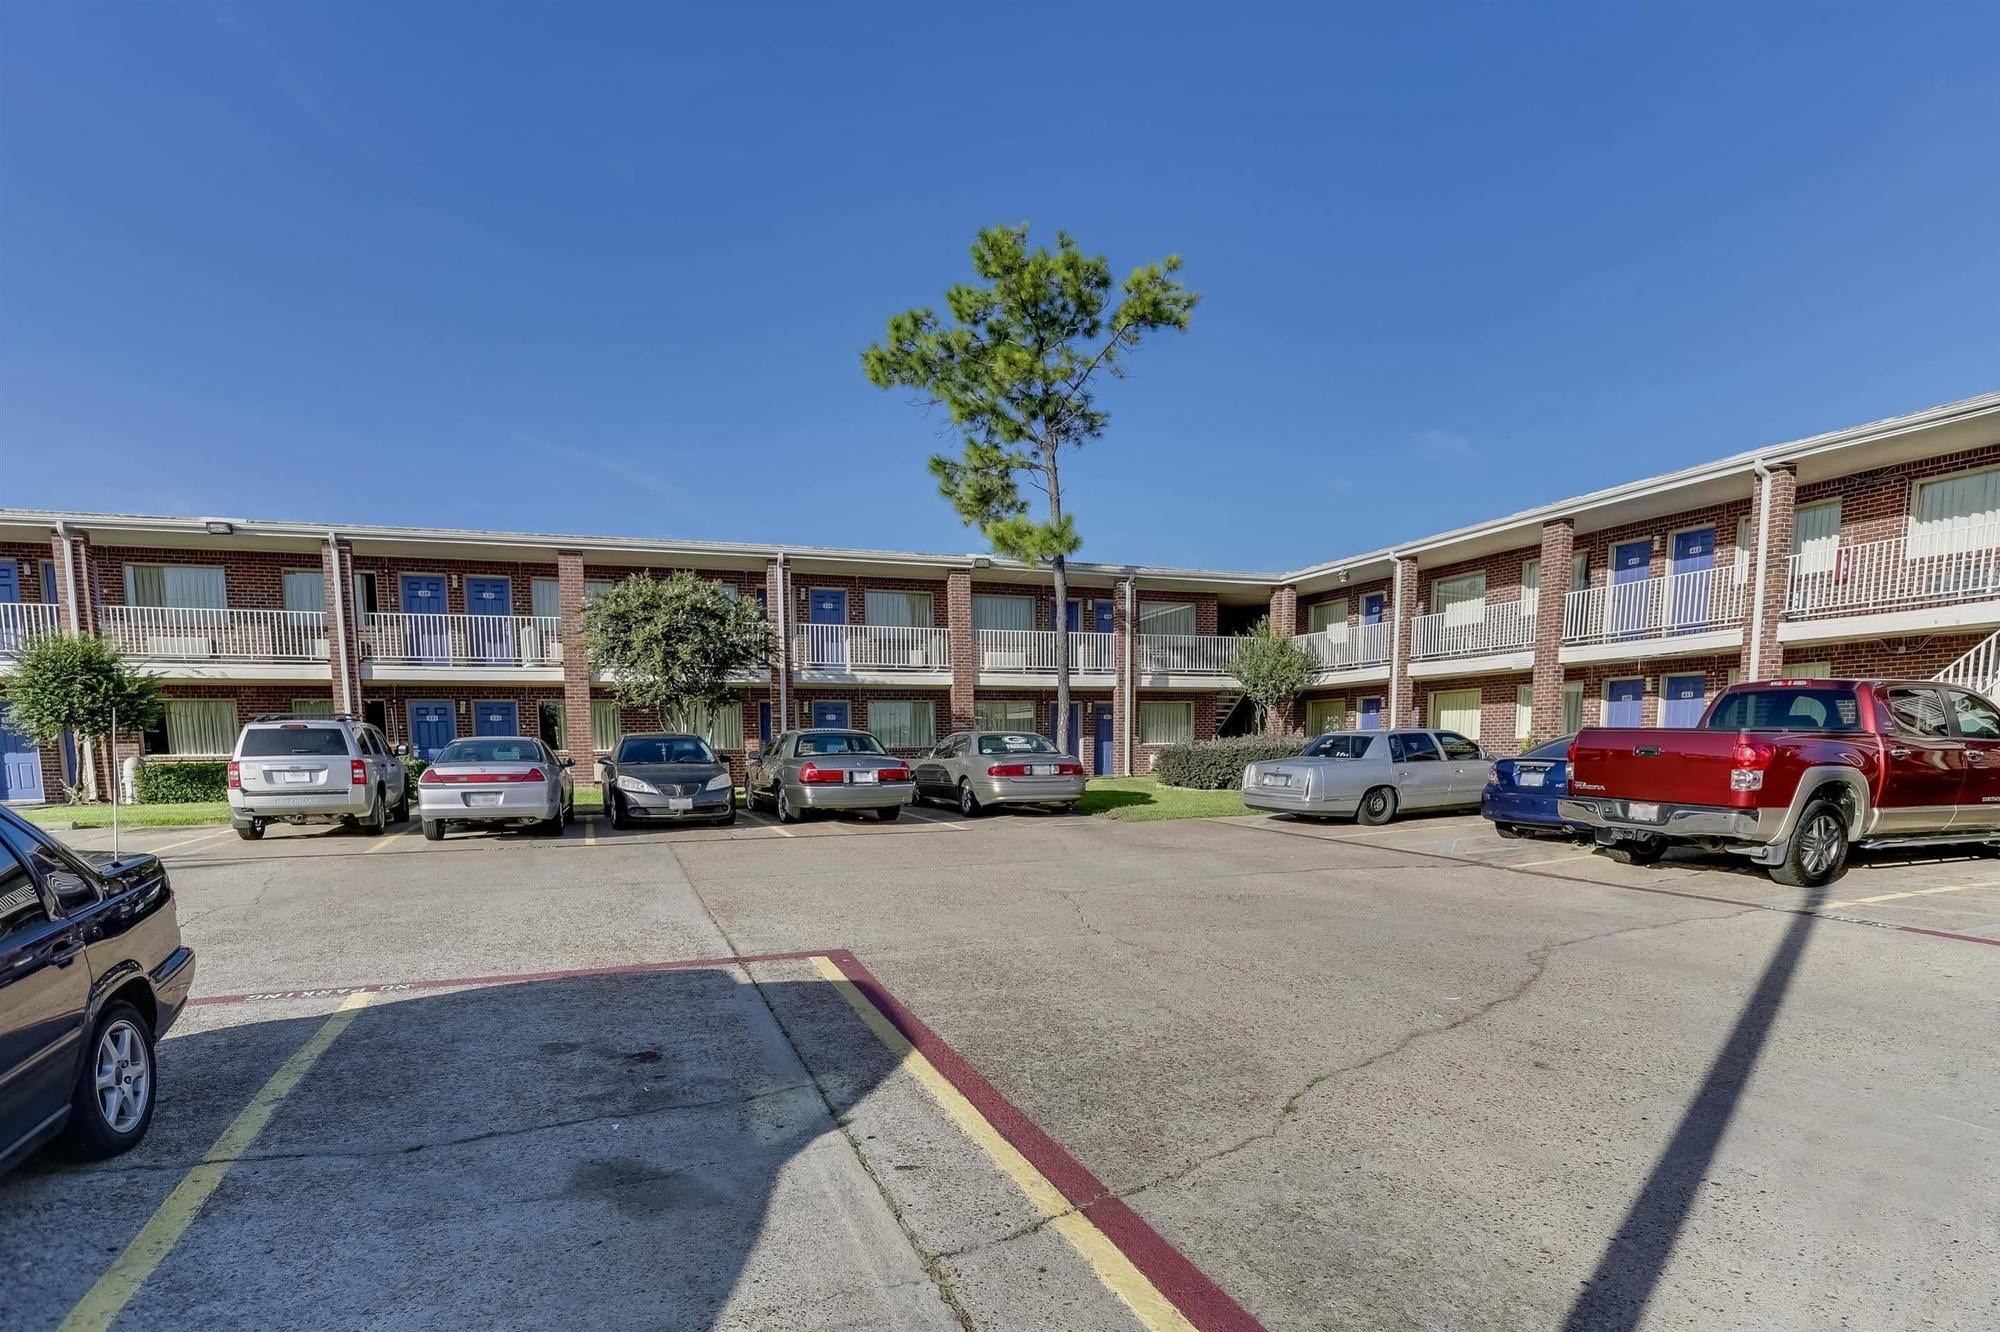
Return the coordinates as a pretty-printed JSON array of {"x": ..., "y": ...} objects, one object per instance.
[
  {"x": 1507, "y": 831},
  {"x": 968, "y": 803},
  {"x": 614, "y": 810},
  {"x": 104, "y": 1120},
  {"x": 250, "y": 832},
  {"x": 1068, "y": 807},
  {"x": 1816, "y": 852},
  {"x": 400, "y": 812},
  {"x": 1377, "y": 807},
  {"x": 888, "y": 813},
  {"x": 729, "y": 815},
  {"x": 558, "y": 825},
  {"x": 782, "y": 805},
  {"x": 376, "y": 821},
  {"x": 1643, "y": 850}
]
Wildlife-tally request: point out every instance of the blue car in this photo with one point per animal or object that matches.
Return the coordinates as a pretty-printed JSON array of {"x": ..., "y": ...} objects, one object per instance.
[{"x": 1521, "y": 793}]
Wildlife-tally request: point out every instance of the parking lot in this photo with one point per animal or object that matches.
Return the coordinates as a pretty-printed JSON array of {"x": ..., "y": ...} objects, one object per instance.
[{"x": 1042, "y": 1072}]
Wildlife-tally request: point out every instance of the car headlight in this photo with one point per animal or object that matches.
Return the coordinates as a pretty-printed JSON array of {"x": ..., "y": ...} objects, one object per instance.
[
  {"x": 722, "y": 781},
  {"x": 637, "y": 787}
]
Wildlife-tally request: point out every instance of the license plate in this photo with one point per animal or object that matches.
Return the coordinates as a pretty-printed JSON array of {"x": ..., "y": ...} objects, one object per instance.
[
  {"x": 1640, "y": 811},
  {"x": 482, "y": 799},
  {"x": 864, "y": 777},
  {"x": 295, "y": 778},
  {"x": 1276, "y": 779},
  {"x": 1532, "y": 778},
  {"x": 1042, "y": 770},
  {"x": 679, "y": 803}
]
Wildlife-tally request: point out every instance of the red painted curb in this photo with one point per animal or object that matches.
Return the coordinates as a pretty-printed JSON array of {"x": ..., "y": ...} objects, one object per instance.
[{"x": 1199, "y": 1300}]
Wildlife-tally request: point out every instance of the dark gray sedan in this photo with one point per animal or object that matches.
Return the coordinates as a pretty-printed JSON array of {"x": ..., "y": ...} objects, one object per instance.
[
  {"x": 828, "y": 769},
  {"x": 667, "y": 776}
]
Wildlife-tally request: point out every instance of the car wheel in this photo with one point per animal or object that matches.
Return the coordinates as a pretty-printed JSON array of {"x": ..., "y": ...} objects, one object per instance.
[
  {"x": 558, "y": 825},
  {"x": 783, "y": 804},
  {"x": 1643, "y": 850},
  {"x": 400, "y": 813},
  {"x": 250, "y": 832},
  {"x": 1506, "y": 830},
  {"x": 1816, "y": 853},
  {"x": 889, "y": 813},
  {"x": 433, "y": 830},
  {"x": 968, "y": 803},
  {"x": 113, "y": 1102},
  {"x": 1067, "y": 807},
  {"x": 614, "y": 809},
  {"x": 729, "y": 815},
  {"x": 377, "y": 819},
  {"x": 1378, "y": 806}
]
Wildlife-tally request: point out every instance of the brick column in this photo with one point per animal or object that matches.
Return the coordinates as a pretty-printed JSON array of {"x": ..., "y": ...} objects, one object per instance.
[
  {"x": 1124, "y": 694},
  {"x": 576, "y": 665},
  {"x": 1407, "y": 596},
  {"x": 75, "y": 564},
  {"x": 782, "y": 613},
  {"x": 1771, "y": 518},
  {"x": 343, "y": 625},
  {"x": 1546, "y": 710},
  {"x": 1285, "y": 717},
  {"x": 964, "y": 651}
]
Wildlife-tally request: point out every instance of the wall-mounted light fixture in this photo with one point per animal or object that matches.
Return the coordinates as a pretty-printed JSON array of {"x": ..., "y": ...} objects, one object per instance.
[
  {"x": 454, "y": 580},
  {"x": 218, "y": 526},
  {"x": 981, "y": 562},
  {"x": 461, "y": 707}
]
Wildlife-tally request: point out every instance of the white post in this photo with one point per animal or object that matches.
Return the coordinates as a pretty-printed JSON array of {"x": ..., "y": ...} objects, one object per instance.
[{"x": 111, "y": 742}]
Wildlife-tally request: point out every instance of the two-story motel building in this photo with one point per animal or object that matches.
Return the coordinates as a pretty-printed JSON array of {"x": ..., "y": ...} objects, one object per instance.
[{"x": 1872, "y": 550}]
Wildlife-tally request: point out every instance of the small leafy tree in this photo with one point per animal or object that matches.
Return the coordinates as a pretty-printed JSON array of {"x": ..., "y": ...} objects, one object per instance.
[
  {"x": 1271, "y": 668},
  {"x": 672, "y": 644},
  {"x": 60, "y": 683},
  {"x": 1015, "y": 367}
]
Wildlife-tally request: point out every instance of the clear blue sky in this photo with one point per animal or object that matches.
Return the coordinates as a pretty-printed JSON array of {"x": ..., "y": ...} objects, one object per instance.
[{"x": 608, "y": 268}]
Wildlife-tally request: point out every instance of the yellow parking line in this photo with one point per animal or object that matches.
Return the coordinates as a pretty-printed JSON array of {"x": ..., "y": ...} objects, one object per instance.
[
  {"x": 1914, "y": 892},
  {"x": 191, "y": 841},
  {"x": 389, "y": 840},
  {"x": 1113, "y": 1268},
  {"x": 590, "y": 832},
  {"x": 112, "y": 1291},
  {"x": 1557, "y": 860}
]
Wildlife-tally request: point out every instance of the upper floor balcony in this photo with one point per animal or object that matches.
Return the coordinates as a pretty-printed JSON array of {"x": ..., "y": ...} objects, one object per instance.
[
  {"x": 1900, "y": 574},
  {"x": 1348, "y": 647},
  {"x": 1668, "y": 607},
  {"x": 842, "y": 649},
  {"x": 21, "y": 621},
  {"x": 1033, "y": 652},
  {"x": 438, "y": 640},
  {"x": 1473, "y": 629},
  {"x": 1187, "y": 654},
  {"x": 199, "y": 635}
]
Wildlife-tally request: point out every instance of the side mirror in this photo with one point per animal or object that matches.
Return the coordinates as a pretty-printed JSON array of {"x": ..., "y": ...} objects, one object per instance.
[
  {"x": 402, "y": 751},
  {"x": 565, "y": 762}
]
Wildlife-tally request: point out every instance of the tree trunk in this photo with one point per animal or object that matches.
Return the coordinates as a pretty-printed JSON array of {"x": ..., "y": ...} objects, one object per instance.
[{"x": 1061, "y": 727}]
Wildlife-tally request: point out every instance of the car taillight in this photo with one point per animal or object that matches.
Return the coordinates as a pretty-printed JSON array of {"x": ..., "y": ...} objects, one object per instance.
[
  {"x": 357, "y": 773},
  {"x": 1069, "y": 769},
  {"x": 1008, "y": 770},
  {"x": 892, "y": 774},
  {"x": 235, "y": 775},
  {"x": 431, "y": 777},
  {"x": 814, "y": 775},
  {"x": 1569, "y": 755},
  {"x": 1749, "y": 761}
]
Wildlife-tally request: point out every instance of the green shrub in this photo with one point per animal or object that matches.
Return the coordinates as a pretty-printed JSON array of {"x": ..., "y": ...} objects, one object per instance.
[
  {"x": 181, "y": 783},
  {"x": 414, "y": 768},
  {"x": 1217, "y": 765}
]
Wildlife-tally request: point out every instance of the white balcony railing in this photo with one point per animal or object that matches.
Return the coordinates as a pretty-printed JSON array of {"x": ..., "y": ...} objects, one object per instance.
[
  {"x": 395, "y": 638},
  {"x": 1978, "y": 670},
  {"x": 21, "y": 621},
  {"x": 193, "y": 634},
  {"x": 1895, "y": 575},
  {"x": 1685, "y": 603},
  {"x": 1471, "y": 631},
  {"x": 1033, "y": 651},
  {"x": 871, "y": 647},
  {"x": 1187, "y": 654},
  {"x": 1347, "y": 646}
]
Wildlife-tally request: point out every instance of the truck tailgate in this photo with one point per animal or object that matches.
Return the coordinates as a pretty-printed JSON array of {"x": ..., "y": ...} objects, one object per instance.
[{"x": 1672, "y": 766}]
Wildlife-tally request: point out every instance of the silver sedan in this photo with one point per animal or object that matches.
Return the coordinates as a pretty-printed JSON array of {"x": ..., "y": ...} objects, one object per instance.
[
  {"x": 829, "y": 769},
  {"x": 493, "y": 779},
  {"x": 1370, "y": 775},
  {"x": 978, "y": 769}
]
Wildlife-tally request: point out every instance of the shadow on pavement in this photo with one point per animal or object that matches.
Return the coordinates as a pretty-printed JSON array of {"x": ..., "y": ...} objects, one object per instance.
[
  {"x": 1617, "y": 1293},
  {"x": 598, "y": 1151}
]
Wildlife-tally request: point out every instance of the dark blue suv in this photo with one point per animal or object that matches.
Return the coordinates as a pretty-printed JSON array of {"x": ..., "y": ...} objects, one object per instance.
[{"x": 92, "y": 972}]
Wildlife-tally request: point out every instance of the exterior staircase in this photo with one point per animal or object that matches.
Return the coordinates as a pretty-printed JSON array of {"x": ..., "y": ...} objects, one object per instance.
[{"x": 1978, "y": 670}]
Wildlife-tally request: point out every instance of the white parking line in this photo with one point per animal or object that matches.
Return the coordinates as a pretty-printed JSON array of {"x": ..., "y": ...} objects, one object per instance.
[
  {"x": 1558, "y": 860},
  {"x": 192, "y": 841}
]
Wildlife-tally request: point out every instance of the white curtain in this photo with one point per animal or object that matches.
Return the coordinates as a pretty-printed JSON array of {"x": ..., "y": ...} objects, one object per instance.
[
  {"x": 201, "y": 725},
  {"x": 1462, "y": 599},
  {"x": 312, "y": 707},
  {"x": 604, "y": 725},
  {"x": 721, "y": 726},
  {"x": 1456, "y": 710},
  {"x": 1325, "y": 615},
  {"x": 1167, "y": 617},
  {"x": 998, "y": 612},
  {"x": 305, "y": 590},
  {"x": 903, "y": 723},
  {"x": 1579, "y": 570},
  {"x": 1572, "y": 708},
  {"x": 1816, "y": 537},
  {"x": 1004, "y": 714},
  {"x": 545, "y": 597},
  {"x": 901, "y": 608},
  {"x": 1742, "y": 550},
  {"x": 1524, "y": 712},
  {"x": 1325, "y": 714},
  {"x": 1166, "y": 723},
  {"x": 1956, "y": 513}
]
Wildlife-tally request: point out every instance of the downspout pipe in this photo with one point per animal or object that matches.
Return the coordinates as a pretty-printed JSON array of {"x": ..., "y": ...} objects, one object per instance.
[
  {"x": 342, "y": 644},
  {"x": 86, "y": 774},
  {"x": 1396, "y": 641},
  {"x": 1763, "y": 473},
  {"x": 782, "y": 667}
]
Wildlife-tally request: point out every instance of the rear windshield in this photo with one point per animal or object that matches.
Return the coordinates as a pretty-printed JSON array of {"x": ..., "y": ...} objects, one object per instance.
[
  {"x": 490, "y": 750},
  {"x": 665, "y": 749},
  {"x": 839, "y": 742},
  {"x": 285, "y": 741},
  {"x": 1803, "y": 709},
  {"x": 1554, "y": 749},
  {"x": 1015, "y": 743},
  {"x": 1339, "y": 746}
]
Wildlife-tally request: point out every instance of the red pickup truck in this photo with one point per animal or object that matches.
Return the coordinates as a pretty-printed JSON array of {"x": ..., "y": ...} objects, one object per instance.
[{"x": 1792, "y": 773}]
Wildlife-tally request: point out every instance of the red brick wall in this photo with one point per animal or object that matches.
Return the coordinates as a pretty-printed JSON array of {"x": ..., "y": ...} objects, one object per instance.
[
  {"x": 857, "y": 700},
  {"x": 1503, "y": 575},
  {"x": 1917, "y": 658},
  {"x": 803, "y": 585},
  {"x": 389, "y": 579},
  {"x": 1045, "y": 708},
  {"x": 1876, "y": 505},
  {"x": 1354, "y": 595},
  {"x": 1722, "y": 517}
]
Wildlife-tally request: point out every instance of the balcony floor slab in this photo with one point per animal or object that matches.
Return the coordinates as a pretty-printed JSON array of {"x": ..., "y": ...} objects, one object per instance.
[
  {"x": 1972, "y": 615},
  {"x": 1493, "y": 663},
  {"x": 380, "y": 672},
  {"x": 1707, "y": 643}
]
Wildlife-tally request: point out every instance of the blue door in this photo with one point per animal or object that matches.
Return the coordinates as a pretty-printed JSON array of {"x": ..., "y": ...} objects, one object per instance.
[
  {"x": 1631, "y": 564},
  {"x": 495, "y": 717},
  {"x": 1687, "y": 587},
  {"x": 432, "y": 727},
  {"x": 1371, "y": 714},
  {"x": 1075, "y": 745},
  {"x": 827, "y": 713},
  {"x": 1100, "y": 723},
  {"x": 1100, "y": 616},
  {"x": 10, "y": 592},
  {"x": 489, "y": 636},
  {"x": 827, "y": 605},
  {"x": 426, "y": 632},
  {"x": 1625, "y": 703},
  {"x": 1372, "y": 607},
  {"x": 1686, "y": 697},
  {"x": 20, "y": 764},
  {"x": 764, "y": 732}
]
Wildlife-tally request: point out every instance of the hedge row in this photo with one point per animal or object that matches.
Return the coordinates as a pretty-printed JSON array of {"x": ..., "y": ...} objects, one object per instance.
[
  {"x": 181, "y": 783},
  {"x": 1217, "y": 765}
]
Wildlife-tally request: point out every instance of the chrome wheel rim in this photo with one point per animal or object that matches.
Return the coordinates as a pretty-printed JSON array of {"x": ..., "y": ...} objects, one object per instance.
[
  {"x": 124, "y": 1077},
  {"x": 784, "y": 806},
  {"x": 965, "y": 801},
  {"x": 1819, "y": 844},
  {"x": 1378, "y": 803}
]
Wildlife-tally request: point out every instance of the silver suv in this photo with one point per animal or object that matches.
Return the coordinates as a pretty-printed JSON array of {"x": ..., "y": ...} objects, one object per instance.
[{"x": 315, "y": 770}]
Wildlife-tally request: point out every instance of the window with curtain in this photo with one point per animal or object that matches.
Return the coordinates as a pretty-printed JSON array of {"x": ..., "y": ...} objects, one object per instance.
[
  {"x": 721, "y": 726},
  {"x": 1572, "y": 707},
  {"x": 898, "y": 608},
  {"x": 1456, "y": 710},
  {"x": 1579, "y": 569},
  {"x": 1324, "y": 615},
  {"x": 1167, "y": 617},
  {"x": 1531, "y": 580},
  {"x": 180, "y": 585},
  {"x": 1742, "y": 565},
  {"x": 312, "y": 707},
  {"x": 605, "y": 727},
  {"x": 1004, "y": 714},
  {"x": 1807, "y": 670},
  {"x": 596, "y": 587},
  {"x": 545, "y": 597},
  {"x": 1462, "y": 599},
  {"x": 366, "y": 600},
  {"x": 1524, "y": 712},
  {"x": 1325, "y": 714},
  {"x": 305, "y": 590},
  {"x": 551, "y": 722},
  {"x": 992, "y": 611},
  {"x": 201, "y": 725},
  {"x": 902, "y": 723},
  {"x": 1166, "y": 722},
  {"x": 1816, "y": 537},
  {"x": 1956, "y": 513}
]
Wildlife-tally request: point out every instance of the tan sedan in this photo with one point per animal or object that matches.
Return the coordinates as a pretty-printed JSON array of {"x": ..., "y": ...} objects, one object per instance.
[{"x": 977, "y": 769}]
